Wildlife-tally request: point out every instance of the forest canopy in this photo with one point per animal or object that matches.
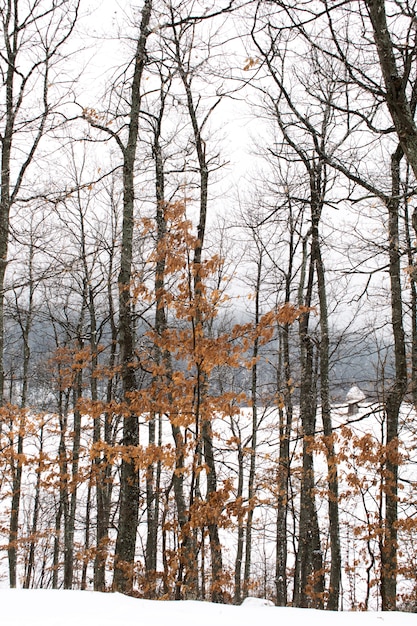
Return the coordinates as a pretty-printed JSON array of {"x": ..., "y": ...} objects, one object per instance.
[{"x": 208, "y": 300}]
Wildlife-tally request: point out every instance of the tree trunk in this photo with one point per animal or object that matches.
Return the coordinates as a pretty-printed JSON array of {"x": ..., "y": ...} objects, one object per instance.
[
  {"x": 396, "y": 98},
  {"x": 35, "y": 516},
  {"x": 285, "y": 426},
  {"x": 283, "y": 474},
  {"x": 240, "y": 529},
  {"x": 394, "y": 399},
  {"x": 309, "y": 575},
  {"x": 186, "y": 77},
  {"x": 153, "y": 471},
  {"x": 86, "y": 557},
  {"x": 69, "y": 529},
  {"x": 317, "y": 184},
  {"x": 129, "y": 480},
  {"x": 62, "y": 510},
  {"x": 413, "y": 303},
  {"x": 104, "y": 484},
  {"x": 254, "y": 434},
  {"x": 17, "y": 468}
]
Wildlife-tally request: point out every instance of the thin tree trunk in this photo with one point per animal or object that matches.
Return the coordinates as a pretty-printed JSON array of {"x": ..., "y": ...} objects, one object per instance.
[
  {"x": 317, "y": 185},
  {"x": 201, "y": 383},
  {"x": 413, "y": 303},
  {"x": 11, "y": 46},
  {"x": 36, "y": 506},
  {"x": 213, "y": 528},
  {"x": 309, "y": 575},
  {"x": 62, "y": 510},
  {"x": 103, "y": 465},
  {"x": 25, "y": 323},
  {"x": 283, "y": 475},
  {"x": 394, "y": 399},
  {"x": 86, "y": 537},
  {"x": 17, "y": 469},
  {"x": 285, "y": 426},
  {"x": 69, "y": 529},
  {"x": 240, "y": 529},
  {"x": 254, "y": 434},
  {"x": 332, "y": 469},
  {"x": 153, "y": 471},
  {"x": 129, "y": 480}
]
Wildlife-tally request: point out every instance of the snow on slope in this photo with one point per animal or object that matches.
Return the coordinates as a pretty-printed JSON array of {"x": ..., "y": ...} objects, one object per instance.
[{"x": 45, "y": 607}]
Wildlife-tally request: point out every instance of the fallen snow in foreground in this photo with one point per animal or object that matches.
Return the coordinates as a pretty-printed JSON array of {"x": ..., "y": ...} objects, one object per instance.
[{"x": 46, "y": 607}]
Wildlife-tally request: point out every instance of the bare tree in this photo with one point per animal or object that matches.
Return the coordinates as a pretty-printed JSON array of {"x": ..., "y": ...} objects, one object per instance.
[{"x": 33, "y": 35}]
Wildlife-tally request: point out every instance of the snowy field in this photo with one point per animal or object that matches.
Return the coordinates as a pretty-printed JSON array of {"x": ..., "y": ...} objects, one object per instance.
[{"x": 87, "y": 608}]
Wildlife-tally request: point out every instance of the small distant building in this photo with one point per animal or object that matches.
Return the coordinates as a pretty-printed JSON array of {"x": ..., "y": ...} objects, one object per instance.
[{"x": 353, "y": 397}]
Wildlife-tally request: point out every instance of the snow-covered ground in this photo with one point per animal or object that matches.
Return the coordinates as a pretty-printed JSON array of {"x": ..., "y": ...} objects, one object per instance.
[{"x": 87, "y": 608}]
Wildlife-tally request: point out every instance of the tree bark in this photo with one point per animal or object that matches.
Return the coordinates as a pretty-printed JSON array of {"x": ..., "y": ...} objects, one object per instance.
[
  {"x": 394, "y": 398},
  {"x": 69, "y": 529},
  {"x": 317, "y": 184},
  {"x": 309, "y": 575},
  {"x": 129, "y": 480},
  {"x": 153, "y": 470},
  {"x": 35, "y": 516},
  {"x": 104, "y": 481},
  {"x": 396, "y": 98},
  {"x": 254, "y": 434}
]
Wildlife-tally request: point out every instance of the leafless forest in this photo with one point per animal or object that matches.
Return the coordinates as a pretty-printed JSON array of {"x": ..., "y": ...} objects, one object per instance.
[{"x": 208, "y": 299}]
